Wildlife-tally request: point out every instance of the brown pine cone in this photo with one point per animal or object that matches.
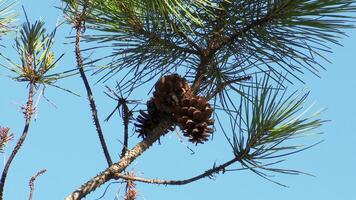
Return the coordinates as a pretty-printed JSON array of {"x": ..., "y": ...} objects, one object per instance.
[
  {"x": 173, "y": 97},
  {"x": 169, "y": 92},
  {"x": 148, "y": 121},
  {"x": 194, "y": 119}
]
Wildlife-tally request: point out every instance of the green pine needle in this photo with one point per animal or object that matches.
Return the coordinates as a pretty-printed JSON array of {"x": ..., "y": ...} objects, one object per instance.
[
  {"x": 37, "y": 60},
  {"x": 7, "y": 17},
  {"x": 267, "y": 124}
]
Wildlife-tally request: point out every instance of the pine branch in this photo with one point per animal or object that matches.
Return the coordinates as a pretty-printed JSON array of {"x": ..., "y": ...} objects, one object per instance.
[
  {"x": 131, "y": 191},
  {"x": 169, "y": 44},
  {"x": 5, "y": 137},
  {"x": 278, "y": 34},
  {"x": 120, "y": 166},
  {"x": 79, "y": 28},
  {"x": 141, "y": 46},
  {"x": 6, "y": 18},
  {"x": 198, "y": 50},
  {"x": 28, "y": 111},
  {"x": 32, "y": 182},
  {"x": 126, "y": 115},
  {"x": 240, "y": 33},
  {"x": 37, "y": 60},
  {"x": 207, "y": 174},
  {"x": 289, "y": 33},
  {"x": 27, "y": 70}
]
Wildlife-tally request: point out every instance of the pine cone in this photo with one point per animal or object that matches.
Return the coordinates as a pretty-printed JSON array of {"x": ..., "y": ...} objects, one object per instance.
[
  {"x": 194, "y": 119},
  {"x": 170, "y": 90},
  {"x": 148, "y": 121},
  {"x": 173, "y": 97}
]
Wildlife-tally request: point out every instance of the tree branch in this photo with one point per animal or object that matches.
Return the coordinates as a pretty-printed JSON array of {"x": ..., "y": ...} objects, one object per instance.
[
  {"x": 120, "y": 166},
  {"x": 28, "y": 111},
  {"x": 239, "y": 33},
  {"x": 207, "y": 173},
  {"x": 198, "y": 50},
  {"x": 168, "y": 43},
  {"x": 221, "y": 87},
  {"x": 79, "y": 28},
  {"x": 32, "y": 182},
  {"x": 126, "y": 114},
  {"x": 205, "y": 61},
  {"x": 207, "y": 55},
  {"x": 137, "y": 27}
]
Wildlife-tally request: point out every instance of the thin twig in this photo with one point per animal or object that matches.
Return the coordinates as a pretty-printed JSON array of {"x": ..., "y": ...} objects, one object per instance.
[
  {"x": 182, "y": 141},
  {"x": 137, "y": 27},
  {"x": 80, "y": 19},
  {"x": 107, "y": 187},
  {"x": 199, "y": 50},
  {"x": 239, "y": 33},
  {"x": 28, "y": 112},
  {"x": 170, "y": 44},
  {"x": 221, "y": 87},
  {"x": 32, "y": 182},
  {"x": 131, "y": 191},
  {"x": 126, "y": 114},
  {"x": 206, "y": 174}
]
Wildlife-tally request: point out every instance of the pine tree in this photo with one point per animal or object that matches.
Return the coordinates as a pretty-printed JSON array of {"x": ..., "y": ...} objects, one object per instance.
[{"x": 208, "y": 61}]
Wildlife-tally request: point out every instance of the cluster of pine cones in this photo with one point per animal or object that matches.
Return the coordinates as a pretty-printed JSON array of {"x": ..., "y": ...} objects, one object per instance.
[{"x": 174, "y": 97}]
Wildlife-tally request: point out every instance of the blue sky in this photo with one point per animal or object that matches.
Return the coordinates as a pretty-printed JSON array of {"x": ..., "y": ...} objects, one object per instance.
[{"x": 63, "y": 139}]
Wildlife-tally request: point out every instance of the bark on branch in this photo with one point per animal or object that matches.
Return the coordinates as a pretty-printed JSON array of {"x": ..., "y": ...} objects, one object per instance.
[
  {"x": 79, "y": 28},
  {"x": 120, "y": 166},
  {"x": 32, "y": 182},
  {"x": 206, "y": 174},
  {"x": 28, "y": 111}
]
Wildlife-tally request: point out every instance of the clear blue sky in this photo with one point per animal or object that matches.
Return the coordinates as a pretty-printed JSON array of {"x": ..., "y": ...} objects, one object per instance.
[{"x": 63, "y": 140}]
